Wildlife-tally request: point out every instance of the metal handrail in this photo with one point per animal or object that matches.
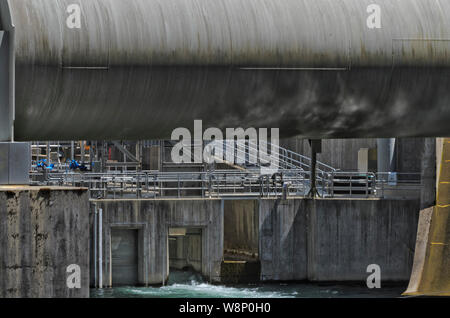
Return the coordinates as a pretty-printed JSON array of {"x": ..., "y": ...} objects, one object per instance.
[{"x": 222, "y": 183}]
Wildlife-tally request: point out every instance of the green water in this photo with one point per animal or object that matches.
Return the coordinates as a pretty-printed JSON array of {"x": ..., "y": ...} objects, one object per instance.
[{"x": 190, "y": 285}]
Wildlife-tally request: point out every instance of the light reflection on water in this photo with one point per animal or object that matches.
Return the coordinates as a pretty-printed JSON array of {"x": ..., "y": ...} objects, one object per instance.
[{"x": 191, "y": 285}]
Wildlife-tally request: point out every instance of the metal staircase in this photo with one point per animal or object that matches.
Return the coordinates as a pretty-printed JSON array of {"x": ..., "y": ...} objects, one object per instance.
[
  {"x": 253, "y": 156},
  {"x": 273, "y": 164}
]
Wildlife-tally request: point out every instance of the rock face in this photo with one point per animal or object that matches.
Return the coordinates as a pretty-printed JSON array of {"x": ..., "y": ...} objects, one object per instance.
[{"x": 42, "y": 232}]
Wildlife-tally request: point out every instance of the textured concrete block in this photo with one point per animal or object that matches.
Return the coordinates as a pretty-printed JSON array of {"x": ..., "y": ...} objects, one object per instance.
[
  {"x": 349, "y": 235},
  {"x": 336, "y": 239},
  {"x": 42, "y": 232},
  {"x": 155, "y": 217},
  {"x": 15, "y": 163}
]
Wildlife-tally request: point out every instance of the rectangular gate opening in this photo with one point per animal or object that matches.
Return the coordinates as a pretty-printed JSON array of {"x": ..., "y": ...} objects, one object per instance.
[
  {"x": 124, "y": 250},
  {"x": 185, "y": 250},
  {"x": 241, "y": 263}
]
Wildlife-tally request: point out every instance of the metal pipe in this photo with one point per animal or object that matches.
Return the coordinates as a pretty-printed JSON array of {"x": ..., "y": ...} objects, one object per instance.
[
  {"x": 95, "y": 244},
  {"x": 82, "y": 148},
  {"x": 311, "y": 67},
  {"x": 163, "y": 259},
  {"x": 100, "y": 248}
]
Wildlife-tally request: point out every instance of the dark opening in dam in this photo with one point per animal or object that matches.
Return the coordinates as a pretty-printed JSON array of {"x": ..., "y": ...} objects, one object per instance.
[{"x": 185, "y": 250}]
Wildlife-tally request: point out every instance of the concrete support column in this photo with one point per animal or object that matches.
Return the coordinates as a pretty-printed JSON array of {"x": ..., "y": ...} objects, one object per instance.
[
  {"x": 44, "y": 242},
  {"x": 7, "y": 72},
  {"x": 15, "y": 163},
  {"x": 428, "y": 174},
  {"x": 15, "y": 158},
  {"x": 386, "y": 154}
]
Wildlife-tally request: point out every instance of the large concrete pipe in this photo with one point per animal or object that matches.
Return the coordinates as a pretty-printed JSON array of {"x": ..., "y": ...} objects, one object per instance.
[{"x": 139, "y": 68}]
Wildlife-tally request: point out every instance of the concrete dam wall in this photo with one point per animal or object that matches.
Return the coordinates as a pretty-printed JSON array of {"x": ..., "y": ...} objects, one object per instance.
[
  {"x": 43, "y": 231},
  {"x": 336, "y": 239},
  {"x": 153, "y": 219},
  {"x": 296, "y": 239}
]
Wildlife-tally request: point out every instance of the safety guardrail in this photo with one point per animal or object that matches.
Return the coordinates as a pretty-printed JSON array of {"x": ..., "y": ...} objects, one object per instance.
[{"x": 231, "y": 183}]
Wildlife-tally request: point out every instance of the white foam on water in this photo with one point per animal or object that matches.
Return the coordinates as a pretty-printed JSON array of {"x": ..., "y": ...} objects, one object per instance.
[
  {"x": 196, "y": 289},
  {"x": 191, "y": 285}
]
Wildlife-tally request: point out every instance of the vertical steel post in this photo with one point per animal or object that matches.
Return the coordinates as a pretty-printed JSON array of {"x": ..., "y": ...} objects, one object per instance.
[
  {"x": 316, "y": 147},
  {"x": 100, "y": 248},
  {"x": 95, "y": 246}
]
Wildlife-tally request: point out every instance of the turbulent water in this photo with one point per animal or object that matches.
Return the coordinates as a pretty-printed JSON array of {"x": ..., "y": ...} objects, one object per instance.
[{"x": 191, "y": 285}]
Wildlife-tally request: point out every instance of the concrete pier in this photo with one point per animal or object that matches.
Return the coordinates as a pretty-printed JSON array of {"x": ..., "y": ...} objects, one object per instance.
[
  {"x": 336, "y": 239},
  {"x": 43, "y": 230},
  {"x": 292, "y": 240},
  {"x": 152, "y": 219}
]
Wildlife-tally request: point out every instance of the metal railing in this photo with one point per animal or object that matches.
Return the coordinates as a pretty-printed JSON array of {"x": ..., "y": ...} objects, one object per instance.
[
  {"x": 250, "y": 154},
  {"x": 172, "y": 184},
  {"x": 232, "y": 183}
]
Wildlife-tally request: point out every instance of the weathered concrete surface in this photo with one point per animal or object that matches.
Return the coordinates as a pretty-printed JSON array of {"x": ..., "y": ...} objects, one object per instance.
[
  {"x": 15, "y": 163},
  {"x": 42, "y": 231},
  {"x": 299, "y": 239},
  {"x": 283, "y": 240},
  {"x": 336, "y": 239},
  {"x": 348, "y": 235},
  {"x": 420, "y": 252},
  {"x": 432, "y": 260},
  {"x": 343, "y": 153},
  {"x": 428, "y": 174},
  {"x": 154, "y": 218},
  {"x": 241, "y": 227}
]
